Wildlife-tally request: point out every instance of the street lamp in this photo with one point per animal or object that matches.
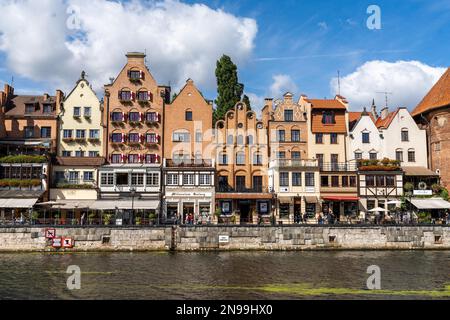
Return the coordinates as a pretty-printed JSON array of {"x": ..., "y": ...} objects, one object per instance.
[{"x": 133, "y": 194}]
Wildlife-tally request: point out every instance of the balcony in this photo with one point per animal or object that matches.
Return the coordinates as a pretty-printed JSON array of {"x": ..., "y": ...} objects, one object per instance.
[
  {"x": 338, "y": 167},
  {"x": 241, "y": 189},
  {"x": 295, "y": 163},
  {"x": 188, "y": 163}
]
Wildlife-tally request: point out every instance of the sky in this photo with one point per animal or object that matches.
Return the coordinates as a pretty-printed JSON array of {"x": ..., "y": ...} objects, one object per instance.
[{"x": 401, "y": 47}]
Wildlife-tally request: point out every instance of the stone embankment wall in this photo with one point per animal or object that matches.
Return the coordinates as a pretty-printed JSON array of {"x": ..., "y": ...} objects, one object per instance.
[{"x": 229, "y": 238}]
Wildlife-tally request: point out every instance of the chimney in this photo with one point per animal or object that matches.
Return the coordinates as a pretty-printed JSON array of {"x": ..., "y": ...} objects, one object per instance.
[
  {"x": 269, "y": 102},
  {"x": 46, "y": 96},
  {"x": 59, "y": 101},
  {"x": 136, "y": 57},
  {"x": 384, "y": 113},
  {"x": 374, "y": 110}
]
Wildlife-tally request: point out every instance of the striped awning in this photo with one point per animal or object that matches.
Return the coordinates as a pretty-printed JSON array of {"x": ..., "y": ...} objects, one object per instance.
[{"x": 18, "y": 203}]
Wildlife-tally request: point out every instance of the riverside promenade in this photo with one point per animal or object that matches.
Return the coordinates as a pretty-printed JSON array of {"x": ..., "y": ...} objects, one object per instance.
[{"x": 223, "y": 238}]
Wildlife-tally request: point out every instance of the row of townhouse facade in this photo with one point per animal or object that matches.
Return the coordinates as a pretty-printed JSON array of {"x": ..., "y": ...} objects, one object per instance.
[{"x": 137, "y": 156}]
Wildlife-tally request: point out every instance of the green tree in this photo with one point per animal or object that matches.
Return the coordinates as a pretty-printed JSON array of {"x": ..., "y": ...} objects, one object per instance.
[
  {"x": 229, "y": 89},
  {"x": 246, "y": 100}
]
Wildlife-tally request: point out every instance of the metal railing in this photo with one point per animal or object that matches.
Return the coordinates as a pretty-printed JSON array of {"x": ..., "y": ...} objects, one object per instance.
[
  {"x": 229, "y": 189},
  {"x": 295, "y": 163},
  {"x": 188, "y": 163},
  {"x": 338, "y": 166}
]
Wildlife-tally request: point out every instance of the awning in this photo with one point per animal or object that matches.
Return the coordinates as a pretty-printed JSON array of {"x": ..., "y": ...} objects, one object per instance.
[
  {"x": 309, "y": 199},
  {"x": 74, "y": 204},
  {"x": 419, "y": 172},
  {"x": 432, "y": 203},
  {"x": 285, "y": 200},
  {"x": 125, "y": 205},
  {"x": 341, "y": 198},
  {"x": 18, "y": 203}
]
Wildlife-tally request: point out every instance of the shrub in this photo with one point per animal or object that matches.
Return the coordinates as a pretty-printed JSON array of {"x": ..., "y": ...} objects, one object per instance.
[
  {"x": 436, "y": 188},
  {"x": 23, "y": 159},
  {"x": 408, "y": 187}
]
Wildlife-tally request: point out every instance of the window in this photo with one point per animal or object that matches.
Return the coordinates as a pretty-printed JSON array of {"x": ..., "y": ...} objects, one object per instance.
[
  {"x": 240, "y": 158},
  {"x": 93, "y": 154},
  {"x": 365, "y": 137},
  {"x": 319, "y": 138},
  {"x": 250, "y": 140},
  {"x": 66, "y": 154},
  {"x": 289, "y": 115},
  {"x": 81, "y": 134},
  {"x": 257, "y": 159},
  {"x": 373, "y": 155},
  {"x": 281, "y": 135},
  {"x": 358, "y": 155},
  {"x": 370, "y": 181},
  {"x": 117, "y": 117},
  {"x": 152, "y": 179},
  {"x": 116, "y": 158},
  {"x": 46, "y": 132},
  {"x": 296, "y": 179},
  {"x": 172, "y": 179},
  {"x": 134, "y": 74},
  {"x": 230, "y": 139},
  {"x": 205, "y": 179},
  {"x": 296, "y": 155},
  {"x": 411, "y": 156},
  {"x": 88, "y": 176},
  {"x": 328, "y": 117},
  {"x": 137, "y": 179},
  {"x": 381, "y": 182},
  {"x": 107, "y": 179},
  {"x": 309, "y": 179},
  {"x": 240, "y": 183},
  {"x": 295, "y": 135},
  {"x": 94, "y": 134},
  {"x": 134, "y": 138},
  {"x": 188, "y": 179},
  {"x": 370, "y": 204},
  {"x": 405, "y": 135},
  {"x": 74, "y": 177},
  {"x": 134, "y": 158},
  {"x": 281, "y": 155},
  {"x": 335, "y": 181},
  {"x": 125, "y": 95},
  {"x": 117, "y": 137},
  {"x": 143, "y": 96},
  {"x": 77, "y": 112},
  {"x": 48, "y": 108},
  {"x": 134, "y": 117},
  {"x": 240, "y": 140},
  {"x": 188, "y": 115},
  {"x": 223, "y": 158},
  {"x": 399, "y": 155},
  {"x": 67, "y": 134},
  {"x": 152, "y": 117},
  {"x": 284, "y": 209},
  {"x": 284, "y": 179},
  {"x": 87, "y": 112},
  {"x": 390, "y": 181},
  {"x": 333, "y": 138},
  {"x": 320, "y": 158},
  {"x": 151, "y": 158},
  {"x": 151, "y": 138},
  {"x": 79, "y": 154},
  {"x": 29, "y": 132},
  {"x": 30, "y": 108},
  {"x": 181, "y": 137},
  {"x": 198, "y": 136},
  {"x": 344, "y": 181},
  {"x": 352, "y": 181},
  {"x": 324, "y": 181}
]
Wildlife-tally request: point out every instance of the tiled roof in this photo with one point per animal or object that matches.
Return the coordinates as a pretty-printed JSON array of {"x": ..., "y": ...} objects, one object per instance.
[
  {"x": 439, "y": 96},
  {"x": 326, "y": 104},
  {"x": 80, "y": 162},
  {"x": 353, "y": 118},
  {"x": 318, "y": 127},
  {"x": 16, "y": 106},
  {"x": 386, "y": 122}
]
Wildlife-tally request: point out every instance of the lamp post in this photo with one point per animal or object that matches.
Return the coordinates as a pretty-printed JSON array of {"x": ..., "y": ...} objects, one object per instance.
[{"x": 133, "y": 194}]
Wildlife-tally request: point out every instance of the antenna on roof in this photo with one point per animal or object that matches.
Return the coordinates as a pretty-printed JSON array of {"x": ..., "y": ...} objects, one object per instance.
[
  {"x": 386, "y": 96},
  {"x": 12, "y": 81},
  {"x": 339, "y": 82}
]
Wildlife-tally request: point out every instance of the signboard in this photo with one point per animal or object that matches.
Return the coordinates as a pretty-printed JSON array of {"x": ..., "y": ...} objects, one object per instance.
[
  {"x": 50, "y": 233},
  {"x": 423, "y": 192},
  {"x": 68, "y": 243},
  {"x": 224, "y": 239},
  {"x": 57, "y": 242},
  {"x": 119, "y": 222}
]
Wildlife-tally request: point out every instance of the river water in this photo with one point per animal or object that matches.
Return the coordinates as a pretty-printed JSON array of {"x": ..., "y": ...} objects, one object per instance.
[{"x": 227, "y": 275}]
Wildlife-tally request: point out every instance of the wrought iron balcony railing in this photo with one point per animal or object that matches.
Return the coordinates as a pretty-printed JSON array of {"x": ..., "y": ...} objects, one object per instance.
[{"x": 188, "y": 163}]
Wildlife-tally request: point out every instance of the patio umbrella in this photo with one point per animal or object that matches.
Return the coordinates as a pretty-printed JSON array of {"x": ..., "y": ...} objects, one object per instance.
[
  {"x": 378, "y": 210},
  {"x": 394, "y": 202}
]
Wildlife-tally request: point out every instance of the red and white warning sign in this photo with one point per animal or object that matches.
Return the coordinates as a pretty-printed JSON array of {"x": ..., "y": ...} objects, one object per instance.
[
  {"x": 57, "y": 242},
  {"x": 50, "y": 233},
  {"x": 68, "y": 243}
]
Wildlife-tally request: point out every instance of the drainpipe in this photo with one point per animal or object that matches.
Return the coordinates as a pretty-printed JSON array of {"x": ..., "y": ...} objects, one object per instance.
[{"x": 428, "y": 131}]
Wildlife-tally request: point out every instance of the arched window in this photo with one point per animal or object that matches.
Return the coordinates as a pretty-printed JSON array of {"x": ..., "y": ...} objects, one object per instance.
[
  {"x": 223, "y": 158},
  {"x": 257, "y": 159},
  {"x": 399, "y": 155},
  {"x": 240, "y": 158},
  {"x": 250, "y": 140},
  {"x": 230, "y": 139},
  {"x": 240, "y": 140}
]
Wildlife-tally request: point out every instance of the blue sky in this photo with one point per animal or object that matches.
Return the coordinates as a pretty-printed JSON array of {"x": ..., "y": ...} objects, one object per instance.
[{"x": 307, "y": 42}]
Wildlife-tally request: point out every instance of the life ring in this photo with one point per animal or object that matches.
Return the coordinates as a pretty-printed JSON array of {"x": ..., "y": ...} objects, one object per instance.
[{"x": 422, "y": 185}]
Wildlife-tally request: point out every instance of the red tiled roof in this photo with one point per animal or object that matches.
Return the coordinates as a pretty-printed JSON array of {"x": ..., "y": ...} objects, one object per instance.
[
  {"x": 386, "y": 122},
  {"x": 16, "y": 106},
  {"x": 326, "y": 104},
  {"x": 439, "y": 96}
]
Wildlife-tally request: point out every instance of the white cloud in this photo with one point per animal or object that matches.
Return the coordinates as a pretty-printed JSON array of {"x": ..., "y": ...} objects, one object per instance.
[
  {"x": 408, "y": 81},
  {"x": 323, "y": 25},
  {"x": 182, "y": 40}
]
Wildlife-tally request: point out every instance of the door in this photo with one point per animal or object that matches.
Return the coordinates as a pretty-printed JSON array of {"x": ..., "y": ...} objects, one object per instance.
[
  {"x": 188, "y": 213},
  {"x": 244, "y": 208},
  {"x": 240, "y": 183}
]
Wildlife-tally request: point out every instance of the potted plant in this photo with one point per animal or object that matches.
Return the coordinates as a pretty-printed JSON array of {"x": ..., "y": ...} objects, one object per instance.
[
  {"x": 34, "y": 217},
  {"x": 138, "y": 221},
  {"x": 408, "y": 187},
  {"x": 436, "y": 188},
  {"x": 107, "y": 219},
  {"x": 91, "y": 217},
  {"x": 152, "y": 218}
]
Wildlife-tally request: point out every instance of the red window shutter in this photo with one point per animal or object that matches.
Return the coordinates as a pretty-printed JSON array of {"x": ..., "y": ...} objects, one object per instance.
[
  {"x": 120, "y": 95},
  {"x": 151, "y": 97}
]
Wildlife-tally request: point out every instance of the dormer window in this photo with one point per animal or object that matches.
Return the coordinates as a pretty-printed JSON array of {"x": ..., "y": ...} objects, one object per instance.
[
  {"x": 48, "y": 108},
  {"x": 29, "y": 108},
  {"x": 328, "y": 117}
]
